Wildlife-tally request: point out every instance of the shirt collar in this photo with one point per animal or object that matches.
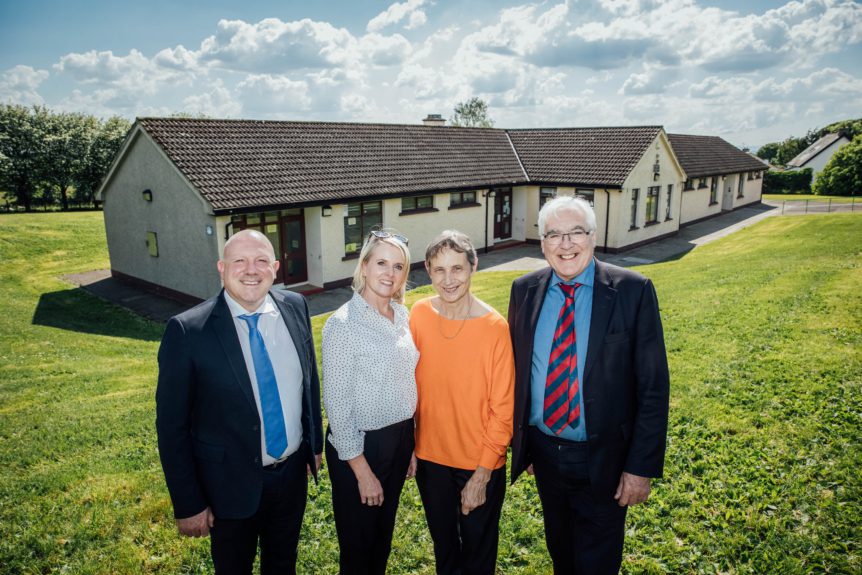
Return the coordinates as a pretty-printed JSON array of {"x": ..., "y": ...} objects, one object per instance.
[
  {"x": 585, "y": 278},
  {"x": 236, "y": 310}
]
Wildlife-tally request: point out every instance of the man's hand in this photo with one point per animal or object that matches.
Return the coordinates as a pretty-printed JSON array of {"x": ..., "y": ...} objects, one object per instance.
[
  {"x": 411, "y": 469},
  {"x": 633, "y": 489},
  {"x": 197, "y": 525},
  {"x": 318, "y": 461},
  {"x": 473, "y": 494}
]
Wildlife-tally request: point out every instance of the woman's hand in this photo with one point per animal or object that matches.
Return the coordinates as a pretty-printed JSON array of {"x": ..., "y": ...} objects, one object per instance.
[
  {"x": 473, "y": 494},
  {"x": 370, "y": 490},
  {"x": 411, "y": 469}
]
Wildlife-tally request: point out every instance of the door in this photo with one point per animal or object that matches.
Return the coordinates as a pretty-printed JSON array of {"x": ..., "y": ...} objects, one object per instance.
[
  {"x": 294, "y": 269},
  {"x": 503, "y": 214},
  {"x": 727, "y": 198}
]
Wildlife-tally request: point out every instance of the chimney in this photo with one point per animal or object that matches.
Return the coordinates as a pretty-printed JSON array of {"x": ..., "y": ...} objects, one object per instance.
[{"x": 434, "y": 120}]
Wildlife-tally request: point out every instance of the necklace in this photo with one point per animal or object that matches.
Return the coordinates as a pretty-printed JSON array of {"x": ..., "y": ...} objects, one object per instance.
[{"x": 460, "y": 327}]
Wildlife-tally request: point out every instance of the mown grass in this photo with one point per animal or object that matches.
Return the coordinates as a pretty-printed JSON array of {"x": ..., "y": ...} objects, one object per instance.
[{"x": 764, "y": 333}]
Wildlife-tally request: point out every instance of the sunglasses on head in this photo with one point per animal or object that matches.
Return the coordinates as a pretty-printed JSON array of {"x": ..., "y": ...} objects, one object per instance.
[{"x": 381, "y": 234}]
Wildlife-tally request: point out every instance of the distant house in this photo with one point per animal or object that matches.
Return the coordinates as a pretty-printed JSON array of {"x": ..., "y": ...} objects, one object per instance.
[
  {"x": 818, "y": 154},
  {"x": 180, "y": 187},
  {"x": 719, "y": 176}
]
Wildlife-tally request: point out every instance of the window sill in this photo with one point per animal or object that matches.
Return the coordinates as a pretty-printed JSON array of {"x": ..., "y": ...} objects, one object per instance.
[
  {"x": 668, "y": 219},
  {"x": 354, "y": 256},
  {"x": 467, "y": 205},
  {"x": 655, "y": 223},
  {"x": 633, "y": 228},
  {"x": 739, "y": 197},
  {"x": 713, "y": 203},
  {"x": 417, "y": 211},
  {"x": 688, "y": 189}
]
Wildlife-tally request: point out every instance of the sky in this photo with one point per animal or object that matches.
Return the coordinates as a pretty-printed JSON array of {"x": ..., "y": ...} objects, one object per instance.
[{"x": 750, "y": 71}]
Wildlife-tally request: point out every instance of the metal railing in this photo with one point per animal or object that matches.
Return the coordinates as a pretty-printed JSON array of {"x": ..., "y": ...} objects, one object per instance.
[{"x": 817, "y": 206}]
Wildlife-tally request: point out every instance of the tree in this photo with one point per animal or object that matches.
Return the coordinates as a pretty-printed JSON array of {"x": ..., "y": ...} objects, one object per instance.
[
  {"x": 472, "y": 114},
  {"x": 768, "y": 151},
  {"x": 103, "y": 148},
  {"x": 842, "y": 175},
  {"x": 850, "y": 128},
  {"x": 67, "y": 141},
  {"x": 21, "y": 141}
]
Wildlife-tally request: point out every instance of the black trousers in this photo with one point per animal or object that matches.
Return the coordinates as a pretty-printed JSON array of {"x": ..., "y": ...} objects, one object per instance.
[
  {"x": 276, "y": 523},
  {"x": 365, "y": 532},
  {"x": 584, "y": 533},
  {"x": 463, "y": 544}
]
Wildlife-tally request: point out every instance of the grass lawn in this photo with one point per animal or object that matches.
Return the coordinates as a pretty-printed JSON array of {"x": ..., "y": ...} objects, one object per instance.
[
  {"x": 764, "y": 334},
  {"x": 813, "y": 198}
]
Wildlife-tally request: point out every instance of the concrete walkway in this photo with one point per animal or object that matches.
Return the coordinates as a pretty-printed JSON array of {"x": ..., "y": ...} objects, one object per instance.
[{"x": 520, "y": 257}]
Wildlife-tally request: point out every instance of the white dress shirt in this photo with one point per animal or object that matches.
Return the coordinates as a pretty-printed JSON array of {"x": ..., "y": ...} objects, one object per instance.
[
  {"x": 285, "y": 363},
  {"x": 369, "y": 379}
]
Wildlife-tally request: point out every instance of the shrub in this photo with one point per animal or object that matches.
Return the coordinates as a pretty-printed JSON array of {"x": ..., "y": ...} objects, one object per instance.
[
  {"x": 795, "y": 182},
  {"x": 842, "y": 175}
]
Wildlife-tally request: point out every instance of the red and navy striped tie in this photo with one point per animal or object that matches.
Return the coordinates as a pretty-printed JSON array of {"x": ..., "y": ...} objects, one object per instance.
[{"x": 562, "y": 400}]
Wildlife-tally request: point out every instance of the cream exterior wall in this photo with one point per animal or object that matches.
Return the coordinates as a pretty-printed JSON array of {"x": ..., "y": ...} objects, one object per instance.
[
  {"x": 695, "y": 204},
  {"x": 420, "y": 228},
  {"x": 177, "y": 214},
  {"x": 642, "y": 177}
]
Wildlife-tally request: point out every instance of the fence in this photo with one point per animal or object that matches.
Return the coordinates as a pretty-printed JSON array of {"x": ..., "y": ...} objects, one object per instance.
[{"x": 817, "y": 206}]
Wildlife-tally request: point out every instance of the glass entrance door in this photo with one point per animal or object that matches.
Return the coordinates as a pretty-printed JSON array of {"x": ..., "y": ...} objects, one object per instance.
[{"x": 503, "y": 214}]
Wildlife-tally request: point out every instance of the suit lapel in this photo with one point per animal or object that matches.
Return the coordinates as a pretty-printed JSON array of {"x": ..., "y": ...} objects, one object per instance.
[
  {"x": 603, "y": 301},
  {"x": 225, "y": 330},
  {"x": 294, "y": 328}
]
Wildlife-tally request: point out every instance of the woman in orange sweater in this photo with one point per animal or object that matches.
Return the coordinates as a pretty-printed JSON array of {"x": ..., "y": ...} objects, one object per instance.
[{"x": 465, "y": 379}]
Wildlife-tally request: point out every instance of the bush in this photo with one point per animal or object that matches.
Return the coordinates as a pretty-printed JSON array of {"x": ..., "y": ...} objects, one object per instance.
[
  {"x": 842, "y": 175},
  {"x": 795, "y": 182}
]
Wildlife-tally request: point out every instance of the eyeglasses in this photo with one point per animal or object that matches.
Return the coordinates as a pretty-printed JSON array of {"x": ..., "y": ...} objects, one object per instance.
[
  {"x": 575, "y": 236},
  {"x": 383, "y": 234}
]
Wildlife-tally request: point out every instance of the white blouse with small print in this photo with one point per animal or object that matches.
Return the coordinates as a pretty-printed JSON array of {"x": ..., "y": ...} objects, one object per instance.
[{"x": 369, "y": 373}]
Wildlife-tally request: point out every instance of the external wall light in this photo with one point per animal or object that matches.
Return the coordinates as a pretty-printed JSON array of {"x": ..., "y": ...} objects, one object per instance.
[{"x": 148, "y": 195}]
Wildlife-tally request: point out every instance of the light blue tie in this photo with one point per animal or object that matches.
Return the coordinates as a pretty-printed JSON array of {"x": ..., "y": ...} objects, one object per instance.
[{"x": 270, "y": 403}]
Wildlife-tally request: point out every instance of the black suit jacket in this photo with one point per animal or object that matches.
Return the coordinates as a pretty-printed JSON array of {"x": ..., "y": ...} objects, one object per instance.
[
  {"x": 206, "y": 417},
  {"x": 625, "y": 384}
]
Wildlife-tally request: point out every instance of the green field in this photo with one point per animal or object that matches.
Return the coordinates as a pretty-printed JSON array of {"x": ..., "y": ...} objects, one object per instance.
[{"x": 764, "y": 334}]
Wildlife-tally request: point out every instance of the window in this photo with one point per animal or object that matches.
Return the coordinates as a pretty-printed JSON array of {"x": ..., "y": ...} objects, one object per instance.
[
  {"x": 153, "y": 244},
  {"x": 635, "y": 194},
  {"x": 703, "y": 183},
  {"x": 667, "y": 214},
  {"x": 750, "y": 175},
  {"x": 740, "y": 187},
  {"x": 652, "y": 204},
  {"x": 689, "y": 184},
  {"x": 546, "y": 194},
  {"x": 757, "y": 175},
  {"x": 462, "y": 199},
  {"x": 361, "y": 218},
  {"x": 713, "y": 191},
  {"x": 588, "y": 195},
  {"x": 417, "y": 203}
]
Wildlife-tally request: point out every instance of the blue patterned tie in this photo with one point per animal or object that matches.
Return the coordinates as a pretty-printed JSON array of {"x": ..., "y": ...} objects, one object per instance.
[{"x": 270, "y": 403}]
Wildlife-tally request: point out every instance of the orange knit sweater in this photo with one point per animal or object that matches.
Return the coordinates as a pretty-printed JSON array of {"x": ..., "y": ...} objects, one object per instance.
[{"x": 466, "y": 388}]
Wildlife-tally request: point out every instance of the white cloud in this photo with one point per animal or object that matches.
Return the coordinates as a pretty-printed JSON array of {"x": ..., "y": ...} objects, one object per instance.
[
  {"x": 218, "y": 102},
  {"x": 273, "y": 46},
  {"x": 19, "y": 85},
  {"x": 268, "y": 94},
  {"x": 409, "y": 10},
  {"x": 384, "y": 50}
]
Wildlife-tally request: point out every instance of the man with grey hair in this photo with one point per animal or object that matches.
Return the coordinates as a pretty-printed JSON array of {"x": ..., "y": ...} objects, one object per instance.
[
  {"x": 591, "y": 390},
  {"x": 238, "y": 413}
]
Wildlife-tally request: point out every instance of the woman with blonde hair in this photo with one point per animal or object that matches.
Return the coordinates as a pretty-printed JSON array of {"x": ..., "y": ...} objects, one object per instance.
[{"x": 369, "y": 391}]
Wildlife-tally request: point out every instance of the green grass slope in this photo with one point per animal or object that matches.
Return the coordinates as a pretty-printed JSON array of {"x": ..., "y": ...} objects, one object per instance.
[{"x": 764, "y": 334}]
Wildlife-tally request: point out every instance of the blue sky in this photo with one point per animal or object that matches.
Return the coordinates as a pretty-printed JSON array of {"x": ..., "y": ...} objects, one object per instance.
[{"x": 750, "y": 71}]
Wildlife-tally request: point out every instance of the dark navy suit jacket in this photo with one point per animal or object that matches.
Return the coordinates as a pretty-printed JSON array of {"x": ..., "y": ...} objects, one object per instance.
[
  {"x": 625, "y": 381},
  {"x": 206, "y": 417}
]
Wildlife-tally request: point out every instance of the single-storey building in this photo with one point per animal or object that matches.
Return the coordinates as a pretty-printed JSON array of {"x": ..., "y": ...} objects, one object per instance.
[
  {"x": 719, "y": 176},
  {"x": 179, "y": 188},
  {"x": 818, "y": 154}
]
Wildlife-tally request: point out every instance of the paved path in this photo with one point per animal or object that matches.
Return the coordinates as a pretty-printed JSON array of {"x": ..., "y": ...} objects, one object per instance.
[{"x": 521, "y": 257}]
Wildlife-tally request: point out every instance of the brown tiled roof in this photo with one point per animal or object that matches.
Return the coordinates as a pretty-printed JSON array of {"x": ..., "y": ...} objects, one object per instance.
[
  {"x": 240, "y": 164},
  {"x": 710, "y": 156},
  {"x": 582, "y": 156},
  {"x": 814, "y": 149}
]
